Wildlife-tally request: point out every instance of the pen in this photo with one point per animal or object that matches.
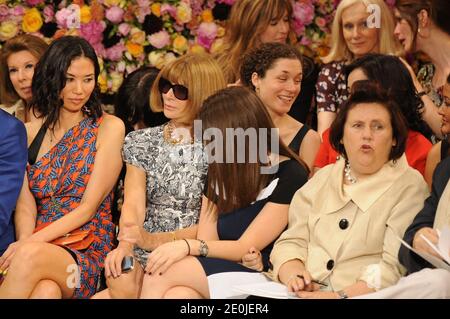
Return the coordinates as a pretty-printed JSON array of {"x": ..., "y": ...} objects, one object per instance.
[{"x": 314, "y": 281}]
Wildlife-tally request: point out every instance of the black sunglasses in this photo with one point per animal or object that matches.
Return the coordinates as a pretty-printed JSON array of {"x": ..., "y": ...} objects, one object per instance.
[{"x": 180, "y": 91}]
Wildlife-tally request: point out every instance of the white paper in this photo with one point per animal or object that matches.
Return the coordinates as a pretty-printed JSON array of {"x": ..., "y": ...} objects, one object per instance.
[
  {"x": 436, "y": 262},
  {"x": 269, "y": 289},
  {"x": 444, "y": 243}
]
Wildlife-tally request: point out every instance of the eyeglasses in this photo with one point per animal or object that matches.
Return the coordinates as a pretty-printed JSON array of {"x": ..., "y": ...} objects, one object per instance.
[{"x": 180, "y": 91}]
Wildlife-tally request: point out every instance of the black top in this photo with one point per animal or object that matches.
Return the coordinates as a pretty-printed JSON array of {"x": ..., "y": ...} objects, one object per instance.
[
  {"x": 291, "y": 176},
  {"x": 298, "y": 139},
  {"x": 35, "y": 146},
  {"x": 445, "y": 149},
  {"x": 425, "y": 218}
]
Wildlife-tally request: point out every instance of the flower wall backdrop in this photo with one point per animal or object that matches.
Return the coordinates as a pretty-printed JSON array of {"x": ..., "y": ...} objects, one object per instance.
[{"x": 128, "y": 34}]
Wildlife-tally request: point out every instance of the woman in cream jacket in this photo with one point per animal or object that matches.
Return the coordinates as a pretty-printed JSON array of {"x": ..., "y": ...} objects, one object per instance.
[{"x": 345, "y": 222}]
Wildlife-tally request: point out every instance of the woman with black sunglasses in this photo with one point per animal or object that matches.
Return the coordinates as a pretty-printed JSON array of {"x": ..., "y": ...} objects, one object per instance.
[{"x": 166, "y": 172}]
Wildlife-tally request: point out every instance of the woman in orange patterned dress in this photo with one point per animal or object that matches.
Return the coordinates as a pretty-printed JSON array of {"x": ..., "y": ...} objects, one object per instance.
[{"x": 74, "y": 162}]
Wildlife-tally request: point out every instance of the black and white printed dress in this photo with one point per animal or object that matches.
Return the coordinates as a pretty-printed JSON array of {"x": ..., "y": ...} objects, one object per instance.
[{"x": 175, "y": 179}]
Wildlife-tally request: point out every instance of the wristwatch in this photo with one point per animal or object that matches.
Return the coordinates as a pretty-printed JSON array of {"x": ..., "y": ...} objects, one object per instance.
[
  {"x": 342, "y": 294},
  {"x": 203, "y": 248}
]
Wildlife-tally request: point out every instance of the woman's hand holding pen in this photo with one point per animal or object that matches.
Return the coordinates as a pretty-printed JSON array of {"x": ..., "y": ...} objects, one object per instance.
[{"x": 301, "y": 280}]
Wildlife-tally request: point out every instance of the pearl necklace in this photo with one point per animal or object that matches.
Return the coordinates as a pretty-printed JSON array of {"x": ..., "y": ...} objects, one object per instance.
[{"x": 348, "y": 173}]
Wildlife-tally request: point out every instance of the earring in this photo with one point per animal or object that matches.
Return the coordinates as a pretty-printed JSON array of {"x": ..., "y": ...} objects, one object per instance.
[
  {"x": 257, "y": 90},
  {"x": 86, "y": 110}
]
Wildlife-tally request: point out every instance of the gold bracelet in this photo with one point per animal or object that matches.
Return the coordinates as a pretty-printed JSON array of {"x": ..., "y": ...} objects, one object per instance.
[{"x": 174, "y": 236}]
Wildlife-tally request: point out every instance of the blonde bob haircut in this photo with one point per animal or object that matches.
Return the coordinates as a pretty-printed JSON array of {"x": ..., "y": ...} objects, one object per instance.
[
  {"x": 248, "y": 20},
  {"x": 388, "y": 44},
  {"x": 199, "y": 72}
]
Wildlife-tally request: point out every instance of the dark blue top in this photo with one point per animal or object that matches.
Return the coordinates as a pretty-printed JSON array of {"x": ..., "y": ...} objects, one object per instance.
[
  {"x": 13, "y": 158},
  {"x": 425, "y": 218},
  {"x": 230, "y": 226}
]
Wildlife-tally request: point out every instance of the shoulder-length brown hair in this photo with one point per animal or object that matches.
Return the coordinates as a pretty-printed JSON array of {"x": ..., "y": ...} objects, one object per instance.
[
  {"x": 235, "y": 185},
  {"x": 248, "y": 20},
  {"x": 366, "y": 91},
  {"x": 24, "y": 42}
]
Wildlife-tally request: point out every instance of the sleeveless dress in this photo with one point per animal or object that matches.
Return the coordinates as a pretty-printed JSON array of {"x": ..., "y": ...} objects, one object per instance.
[{"x": 58, "y": 181}]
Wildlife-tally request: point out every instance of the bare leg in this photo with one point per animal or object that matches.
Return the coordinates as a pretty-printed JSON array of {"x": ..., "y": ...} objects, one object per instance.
[
  {"x": 34, "y": 262},
  {"x": 46, "y": 289},
  {"x": 157, "y": 286},
  {"x": 104, "y": 294},
  {"x": 126, "y": 286},
  {"x": 182, "y": 293}
]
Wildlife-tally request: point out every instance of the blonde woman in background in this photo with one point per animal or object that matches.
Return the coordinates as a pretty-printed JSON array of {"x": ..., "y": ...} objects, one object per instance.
[{"x": 355, "y": 32}]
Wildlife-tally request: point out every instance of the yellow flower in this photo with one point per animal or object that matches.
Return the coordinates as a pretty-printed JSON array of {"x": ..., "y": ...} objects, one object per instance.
[
  {"x": 156, "y": 9},
  {"x": 197, "y": 48},
  {"x": 8, "y": 29},
  {"x": 216, "y": 46},
  {"x": 180, "y": 44},
  {"x": 220, "y": 32},
  {"x": 156, "y": 59},
  {"x": 100, "y": 63},
  {"x": 184, "y": 13},
  {"x": 135, "y": 49},
  {"x": 137, "y": 36},
  {"x": 85, "y": 14},
  {"x": 103, "y": 81},
  {"x": 32, "y": 20},
  {"x": 116, "y": 80},
  {"x": 110, "y": 3},
  {"x": 207, "y": 16}
]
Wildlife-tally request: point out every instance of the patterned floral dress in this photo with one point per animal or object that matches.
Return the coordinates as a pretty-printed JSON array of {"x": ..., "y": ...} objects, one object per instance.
[
  {"x": 175, "y": 179},
  {"x": 331, "y": 87},
  {"x": 58, "y": 180}
]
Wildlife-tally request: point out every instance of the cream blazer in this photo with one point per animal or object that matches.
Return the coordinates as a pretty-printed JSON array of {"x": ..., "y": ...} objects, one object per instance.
[
  {"x": 443, "y": 210},
  {"x": 375, "y": 211}
]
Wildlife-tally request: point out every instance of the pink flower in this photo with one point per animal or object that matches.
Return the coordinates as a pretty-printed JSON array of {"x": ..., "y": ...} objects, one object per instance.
[
  {"x": 143, "y": 10},
  {"x": 49, "y": 14},
  {"x": 298, "y": 27},
  {"x": 304, "y": 12},
  {"x": 321, "y": 22},
  {"x": 32, "y": 3},
  {"x": 18, "y": 10},
  {"x": 124, "y": 29},
  {"x": 159, "y": 39},
  {"x": 4, "y": 12},
  {"x": 68, "y": 18},
  {"x": 115, "y": 52},
  {"x": 207, "y": 32},
  {"x": 167, "y": 8},
  {"x": 93, "y": 32},
  {"x": 115, "y": 14},
  {"x": 99, "y": 49}
]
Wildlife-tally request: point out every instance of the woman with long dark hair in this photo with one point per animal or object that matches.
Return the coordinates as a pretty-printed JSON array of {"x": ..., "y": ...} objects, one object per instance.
[{"x": 74, "y": 161}]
